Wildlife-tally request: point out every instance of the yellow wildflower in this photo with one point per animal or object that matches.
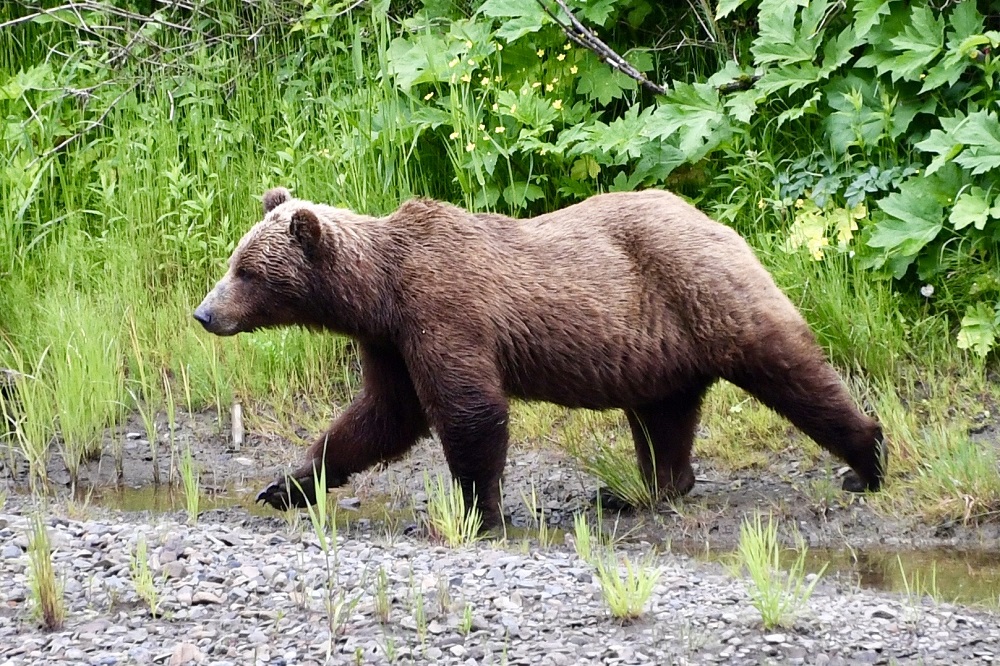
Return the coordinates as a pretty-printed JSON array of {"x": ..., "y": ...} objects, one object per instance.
[
  {"x": 549, "y": 87},
  {"x": 561, "y": 57},
  {"x": 567, "y": 46},
  {"x": 482, "y": 127},
  {"x": 469, "y": 147},
  {"x": 498, "y": 130},
  {"x": 485, "y": 81},
  {"x": 536, "y": 84},
  {"x": 573, "y": 69},
  {"x": 453, "y": 62},
  {"x": 466, "y": 78},
  {"x": 557, "y": 104},
  {"x": 454, "y": 135},
  {"x": 541, "y": 53},
  {"x": 429, "y": 95}
]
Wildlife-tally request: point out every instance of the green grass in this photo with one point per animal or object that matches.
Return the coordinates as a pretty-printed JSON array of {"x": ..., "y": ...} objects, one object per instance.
[
  {"x": 107, "y": 246},
  {"x": 777, "y": 594},
  {"x": 142, "y": 577},
  {"x": 448, "y": 518},
  {"x": 46, "y": 588}
]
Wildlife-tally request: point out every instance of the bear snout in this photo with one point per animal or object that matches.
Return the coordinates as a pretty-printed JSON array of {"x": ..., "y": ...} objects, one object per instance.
[{"x": 203, "y": 316}]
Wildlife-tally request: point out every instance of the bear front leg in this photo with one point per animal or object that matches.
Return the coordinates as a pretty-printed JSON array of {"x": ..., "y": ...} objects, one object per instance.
[
  {"x": 475, "y": 446},
  {"x": 799, "y": 384},
  {"x": 382, "y": 423}
]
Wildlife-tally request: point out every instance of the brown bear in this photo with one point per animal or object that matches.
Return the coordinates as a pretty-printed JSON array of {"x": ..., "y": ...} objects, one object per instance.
[{"x": 635, "y": 301}]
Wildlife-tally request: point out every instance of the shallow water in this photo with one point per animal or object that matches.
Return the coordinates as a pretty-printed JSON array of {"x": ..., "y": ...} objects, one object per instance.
[
  {"x": 945, "y": 574},
  {"x": 963, "y": 576}
]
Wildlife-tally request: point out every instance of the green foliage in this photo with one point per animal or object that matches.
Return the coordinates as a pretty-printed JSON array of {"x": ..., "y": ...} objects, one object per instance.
[{"x": 133, "y": 146}]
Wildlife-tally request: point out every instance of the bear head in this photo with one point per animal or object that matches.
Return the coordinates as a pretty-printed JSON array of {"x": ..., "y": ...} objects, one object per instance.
[{"x": 272, "y": 276}]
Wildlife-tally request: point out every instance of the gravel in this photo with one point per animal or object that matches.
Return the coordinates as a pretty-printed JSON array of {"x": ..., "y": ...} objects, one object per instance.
[{"x": 229, "y": 595}]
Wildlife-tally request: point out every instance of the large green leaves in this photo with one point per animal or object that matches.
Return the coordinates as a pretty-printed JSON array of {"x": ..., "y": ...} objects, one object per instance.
[
  {"x": 972, "y": 142},
  {"x": 913, "y": 218}
]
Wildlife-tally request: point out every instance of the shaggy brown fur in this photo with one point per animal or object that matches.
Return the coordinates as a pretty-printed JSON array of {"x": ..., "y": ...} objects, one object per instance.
[{"x": 633, "y": 301}]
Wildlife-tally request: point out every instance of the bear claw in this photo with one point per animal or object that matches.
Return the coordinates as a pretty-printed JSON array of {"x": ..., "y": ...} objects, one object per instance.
[{"x": 278, "y": 495}]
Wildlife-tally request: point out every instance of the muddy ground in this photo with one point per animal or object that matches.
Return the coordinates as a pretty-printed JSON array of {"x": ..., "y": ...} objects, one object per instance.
[{"x": 791, "y": 487}]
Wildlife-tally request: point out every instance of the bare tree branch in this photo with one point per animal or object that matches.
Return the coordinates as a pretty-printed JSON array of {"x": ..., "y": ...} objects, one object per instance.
[{"x": 583, "y": 36}]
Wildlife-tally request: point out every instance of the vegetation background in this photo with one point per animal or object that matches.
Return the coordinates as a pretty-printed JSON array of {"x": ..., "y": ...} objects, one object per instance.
[{"x": 856, "y": 143}]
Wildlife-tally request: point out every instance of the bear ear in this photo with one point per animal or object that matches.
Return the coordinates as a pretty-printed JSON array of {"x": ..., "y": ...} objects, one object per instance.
[
  {"x": 274, "y": 198},
  {"x": 305, "y": 227}
]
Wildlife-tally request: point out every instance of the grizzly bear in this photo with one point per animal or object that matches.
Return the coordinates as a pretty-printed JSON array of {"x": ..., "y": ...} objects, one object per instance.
[{"x": 635, "y": 301}]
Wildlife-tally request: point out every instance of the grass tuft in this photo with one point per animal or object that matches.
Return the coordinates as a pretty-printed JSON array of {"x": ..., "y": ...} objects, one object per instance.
[
  {"x": 448, "y": 519},
  {"x": 46, "y": 589},
  {"x": 777, "y": 594}
]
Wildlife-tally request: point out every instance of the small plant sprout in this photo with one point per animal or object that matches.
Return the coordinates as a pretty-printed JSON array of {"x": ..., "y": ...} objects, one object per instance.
[
  {"x": 536, "y": 510},
  {"x": 447, "y": 518},
  {"x": 777, "y": 595},
  {"x": 582, "y": 538},
  {"x": 465, "y": 623},
  {"x": 383, "y": 604},
  {"x": 626, "y": 586},
  {"x": 142, "y": 577},
  {"x": 46, "y": 589},
  {"x": 191, "y": 482}
]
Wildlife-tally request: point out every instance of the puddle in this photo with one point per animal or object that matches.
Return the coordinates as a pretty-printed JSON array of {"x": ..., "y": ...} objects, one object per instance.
[
  {"x": 961, "y": 576},
  {"x": 953, "y": 575},
  {"x": 169, "y": 499}
]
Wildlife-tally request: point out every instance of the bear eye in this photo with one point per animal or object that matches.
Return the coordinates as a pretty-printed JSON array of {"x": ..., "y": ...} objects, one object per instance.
[{"x": 242, "y": 274}]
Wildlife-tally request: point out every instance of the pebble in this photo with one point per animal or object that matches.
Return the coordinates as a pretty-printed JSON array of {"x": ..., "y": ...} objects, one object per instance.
[{"x": 232, "y": 594}]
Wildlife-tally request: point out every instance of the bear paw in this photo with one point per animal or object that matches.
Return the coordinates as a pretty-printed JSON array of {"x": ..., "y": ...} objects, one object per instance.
[
  {"x": 854, "y": 483},
  {"x": 609, "y": 500},
  {"x": 288, "y": 493}
]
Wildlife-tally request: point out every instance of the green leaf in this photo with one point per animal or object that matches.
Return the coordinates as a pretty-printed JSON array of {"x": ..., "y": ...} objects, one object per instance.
[
  {"x": 523, "y": 17},
  {"x": 921, "y": 41},
  {"x": 794, "y": 77},
  {"x": 981, "y": 136},
  {"x": 520, "y": 193},
  {"x": 914, "y": 219},
  {"x": 603, "y": 84},
  {"x": 866, "y": 15},
  {"x": 597, "y": 11},
  {"x": 743, "y": 105},
  {"x": 837, "y": 51},
  {"x": 971, "y": 207},
  {"x": 778, "y": 40},
  {"x": 943, "y": 143},
  {"x": 727, "y": 7},
  {"x": 421, "y": 59},
  {"x": 979, "y": 329},
  {"x": 809, "y": 107},
  {"x": 965, "y": 22}
]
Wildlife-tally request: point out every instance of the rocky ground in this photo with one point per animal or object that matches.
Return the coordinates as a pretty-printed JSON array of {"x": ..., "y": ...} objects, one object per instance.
[
  {"x": 249, "y": 586},
  {"x": 262, "y": 591}
]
